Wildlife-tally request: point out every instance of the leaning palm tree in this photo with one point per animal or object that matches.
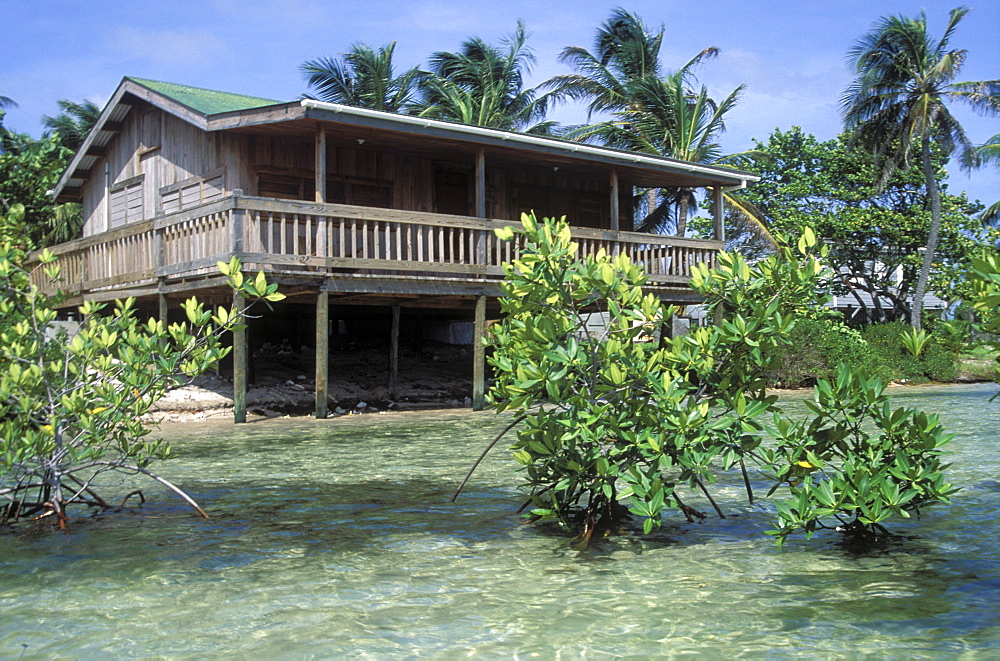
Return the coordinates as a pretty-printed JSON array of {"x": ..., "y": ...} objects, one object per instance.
[
  {"x": 364, "y": 78},
  {"x": 74, "y": 122},
  {"x": 484, "y": 86},
  {"x": 898, "y": 104}
]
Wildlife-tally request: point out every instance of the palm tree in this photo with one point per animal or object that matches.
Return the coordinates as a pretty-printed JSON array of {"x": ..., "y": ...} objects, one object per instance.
[
  {"x": 898, "y": 105},
  {"x": 659, "y": 113},
  {"x": 668, "y": 118},
  {"x": 624, "y": 50},
  {"x": 483, "y": 85},
  {"x": 74, "y": 122},
  {"x": 364, "y": 78}
]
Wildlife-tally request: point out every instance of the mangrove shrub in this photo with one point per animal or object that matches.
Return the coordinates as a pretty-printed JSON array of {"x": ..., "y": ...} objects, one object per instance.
[
  {"x": 621, "y": 421},
  {"x": 73, "y": 407}
]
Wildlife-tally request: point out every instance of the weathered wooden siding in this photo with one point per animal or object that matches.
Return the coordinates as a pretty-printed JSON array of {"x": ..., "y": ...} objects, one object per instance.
[{"x": 157, "y": 148}]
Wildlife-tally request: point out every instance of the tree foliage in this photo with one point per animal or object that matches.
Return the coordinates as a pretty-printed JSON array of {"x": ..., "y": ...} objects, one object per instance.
[
  {"x": 363, "y": 77},
  {"x": 29, "y": 169},
  {"x": 483, "y": 85},
  {"x": 624, "y": 422},
  {"x": 74, "y": 122},
  {"x": 73, "y": 407},
  {"x": 653, "y": 111},
  {"x": 985, "y": 297},
  {"x": 875, "y": 233},
  {"x": 857, "y": 462}
]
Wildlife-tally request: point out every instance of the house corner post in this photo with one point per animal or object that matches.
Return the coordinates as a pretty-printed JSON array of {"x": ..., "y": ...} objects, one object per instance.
[
  {"x": 322, "y": 353},
  {"x": 240, "y": 365},
  {"x": 479, "y": 356},
  {"x": 320, "y": 149}
]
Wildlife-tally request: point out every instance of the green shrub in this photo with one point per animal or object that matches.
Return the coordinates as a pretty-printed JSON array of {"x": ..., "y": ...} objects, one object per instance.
[
  {"x": 816, "y": 348},
  {"x": 885, "y": 342},
  {"x": 940, "y": 363}
]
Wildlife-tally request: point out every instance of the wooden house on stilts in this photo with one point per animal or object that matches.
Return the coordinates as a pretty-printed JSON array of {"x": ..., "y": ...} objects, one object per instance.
[{"x": 343, "y": 206}]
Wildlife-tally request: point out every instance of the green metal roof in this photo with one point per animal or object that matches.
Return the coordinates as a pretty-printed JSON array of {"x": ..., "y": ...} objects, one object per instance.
[{"x": 206, "y": 102}]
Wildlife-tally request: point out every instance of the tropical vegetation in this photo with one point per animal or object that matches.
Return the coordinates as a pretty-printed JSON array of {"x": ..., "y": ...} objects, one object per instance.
[
  {"x": 364, "y": 77},
  {"x": 483, "y": 85},
  {"x": 875, "y": 232}
]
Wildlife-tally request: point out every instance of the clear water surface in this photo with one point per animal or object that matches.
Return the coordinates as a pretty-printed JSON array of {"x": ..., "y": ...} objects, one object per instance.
[{"x": 336, "y": 539}]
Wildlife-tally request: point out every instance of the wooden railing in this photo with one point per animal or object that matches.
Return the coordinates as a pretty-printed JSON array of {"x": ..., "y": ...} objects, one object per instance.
[{"x": 313, "y": 239}]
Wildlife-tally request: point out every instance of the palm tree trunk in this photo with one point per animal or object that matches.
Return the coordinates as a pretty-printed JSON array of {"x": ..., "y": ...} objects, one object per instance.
[
  {"x": 917, "y": 309},
  {"x": 652, "y": 201}
]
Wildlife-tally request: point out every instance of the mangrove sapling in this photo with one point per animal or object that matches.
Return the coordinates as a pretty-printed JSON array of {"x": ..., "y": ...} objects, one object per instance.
[
  {"x": 857, "y": 461},
  {"x": 72, "y": 409}
]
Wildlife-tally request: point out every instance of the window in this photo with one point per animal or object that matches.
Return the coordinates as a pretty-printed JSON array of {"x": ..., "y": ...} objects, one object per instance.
[
  {"x": 192, "y": 192},
  {"x": 126, "y": 202}
]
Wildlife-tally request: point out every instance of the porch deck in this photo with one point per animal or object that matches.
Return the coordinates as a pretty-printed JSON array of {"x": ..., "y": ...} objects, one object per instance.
[{"x": 310, "y": 242}]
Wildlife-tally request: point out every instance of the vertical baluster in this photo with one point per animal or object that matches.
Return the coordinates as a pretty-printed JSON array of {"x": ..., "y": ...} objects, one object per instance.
[
  {"x": 270, "y": 232},
  {"x": 309, "y": 236}
]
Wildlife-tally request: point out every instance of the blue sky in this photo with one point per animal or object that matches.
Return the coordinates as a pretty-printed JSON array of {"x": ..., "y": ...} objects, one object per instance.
[{"x": 790, "y": 53}]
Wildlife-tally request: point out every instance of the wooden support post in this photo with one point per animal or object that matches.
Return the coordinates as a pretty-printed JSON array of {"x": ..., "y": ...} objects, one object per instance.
[
  {"x": 240, "y": 366},
  {"x": 615, "y": 212},
  {"x": 321, "y": 163},
  {"x": 481, "y": 183},
  {"x": 479, "y": 357},
  {"x": 394, "y": 353},
  {"x": 718, "y": 214},
  {"x": 163, "y": 308},
  {"x": 322, "y": 352},
  {"x": 482, "y": 235}
]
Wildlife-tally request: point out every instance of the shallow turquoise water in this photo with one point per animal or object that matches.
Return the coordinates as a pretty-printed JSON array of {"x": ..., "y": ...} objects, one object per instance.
[{"x": 335, "y": 539}]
